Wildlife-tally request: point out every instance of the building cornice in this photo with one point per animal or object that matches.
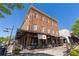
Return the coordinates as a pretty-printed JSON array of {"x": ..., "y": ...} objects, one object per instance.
[{"x": 32, "y": 7}]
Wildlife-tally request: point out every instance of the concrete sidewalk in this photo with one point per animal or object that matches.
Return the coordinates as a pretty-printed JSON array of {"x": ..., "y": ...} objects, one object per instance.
[{"x": 56, "y": 51}]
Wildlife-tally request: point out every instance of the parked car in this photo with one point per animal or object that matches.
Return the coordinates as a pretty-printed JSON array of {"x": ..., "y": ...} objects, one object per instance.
[{"x": 3, "y": 49}]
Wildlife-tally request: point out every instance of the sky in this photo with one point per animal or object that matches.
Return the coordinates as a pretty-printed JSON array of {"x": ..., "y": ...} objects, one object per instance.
[{"x": 64, "y": 13}]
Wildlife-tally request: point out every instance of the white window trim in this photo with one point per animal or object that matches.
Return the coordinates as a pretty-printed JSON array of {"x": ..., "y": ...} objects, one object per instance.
[
  {"x": 43, "y": 29},
  {"x": 48, "y": 30},
  {"x": 53, "y": 32},
  {"x": 35, "y": 15},
  {"x": 35, "y": 27},
  {"x": 27, "y": 28}
]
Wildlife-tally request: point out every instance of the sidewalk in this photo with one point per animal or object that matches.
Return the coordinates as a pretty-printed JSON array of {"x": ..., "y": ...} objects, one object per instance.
[{"x": 56, "y": 51}]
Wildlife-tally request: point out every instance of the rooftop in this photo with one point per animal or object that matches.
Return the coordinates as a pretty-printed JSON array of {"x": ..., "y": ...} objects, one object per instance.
[{"x": 32, "y": 7}]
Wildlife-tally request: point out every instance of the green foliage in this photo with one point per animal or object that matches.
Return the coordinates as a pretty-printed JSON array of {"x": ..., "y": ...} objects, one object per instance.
[
  {"x": 74, "y": 52},
  {"x": 19, "y": 6},
  {"x": 1, "y": 15},
  {"x": 2, "y": 39},
  {"x": 75, "y": 27},
  {"x": 16, "y": 51},
  {"x": 69, "y": 45},
  {"x": 6, "y": 8}
]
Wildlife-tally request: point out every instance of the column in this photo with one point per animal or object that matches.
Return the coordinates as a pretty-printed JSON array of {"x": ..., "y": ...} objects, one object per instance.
[
  {"x": 46, "y": 42},
  {"x": 27, "y": 40},
  {"x": 56, "y": 42},
  {"x": 24, "y": 42},
  {"x": 39, "y": 42},
  {"x": 52, "y": 42}
]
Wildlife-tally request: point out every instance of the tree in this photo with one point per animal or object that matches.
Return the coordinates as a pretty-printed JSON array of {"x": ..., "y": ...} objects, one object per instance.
[
  {"x": 75, "y": 28},
  {"x": 6, "y": 8},
  {"x": 3, "y": 39}
]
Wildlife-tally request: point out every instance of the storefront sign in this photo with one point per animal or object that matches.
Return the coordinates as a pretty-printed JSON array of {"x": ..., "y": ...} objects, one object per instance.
[{"x": 40, "y": 36}]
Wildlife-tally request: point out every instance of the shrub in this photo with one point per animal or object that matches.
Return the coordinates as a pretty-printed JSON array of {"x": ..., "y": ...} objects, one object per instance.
[
  {"x": 77, "y": 50},
  {"x": 70, "y": 46},
  {"x": 74, "y": 52},
  {"x": 16, "y": 51}
]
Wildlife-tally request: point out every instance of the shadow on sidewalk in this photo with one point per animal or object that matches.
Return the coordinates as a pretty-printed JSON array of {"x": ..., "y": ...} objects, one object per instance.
[
  {"x": 35, "y": 54},
  {"x": 65, "y": 53},
  {"x": 31, "y": 54}
]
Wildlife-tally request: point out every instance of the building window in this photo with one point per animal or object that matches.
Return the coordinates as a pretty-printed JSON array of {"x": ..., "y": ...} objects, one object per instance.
[
  {"x": 46, "y": 20},
  {"x": 35, "y": 15},
  {"x": 52, "y": 23},
  {"x": 28, "y": 17},
  {"x": 27, "y": 28},
  {"x": 55, "y": 24},
  {"x": 48, "y": 30},
  {"x": 56, "y": 33},
  {"x": 41, "y": 17},
  {"x": 53, "y": 32},
  {"x": 31, "y": 15},
  {"x": 34, "y": 27},
  {"x": 42, "y": 29}
]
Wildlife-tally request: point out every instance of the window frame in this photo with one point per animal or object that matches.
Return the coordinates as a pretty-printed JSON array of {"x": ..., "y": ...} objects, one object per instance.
[
  {"x": 35, "y": 15},
  {"x": 35, "y": 27}
]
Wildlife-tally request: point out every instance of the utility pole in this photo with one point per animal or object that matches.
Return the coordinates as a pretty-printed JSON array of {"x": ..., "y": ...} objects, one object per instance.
[{"x": 11, "y": 32}]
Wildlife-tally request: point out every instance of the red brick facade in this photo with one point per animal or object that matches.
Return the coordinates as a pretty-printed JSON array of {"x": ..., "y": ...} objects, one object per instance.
[
  {"x": 38, "y": 24},
  {"x": 44, "y": 23}
]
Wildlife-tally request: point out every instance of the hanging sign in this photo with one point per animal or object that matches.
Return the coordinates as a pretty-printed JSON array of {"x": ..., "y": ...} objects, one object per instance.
[{"x": 40, "y": 36}]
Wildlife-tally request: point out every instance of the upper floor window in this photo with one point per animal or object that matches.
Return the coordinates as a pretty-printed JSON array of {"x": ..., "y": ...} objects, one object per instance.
[
  {"x": 27, "y": 28},
  {"x": 48, "y": 30},
  {"x": 53, "y": 32},
  {"x": 42, "y": 29},
  {"x": 35, "y": 15},
  {"x": 56, "y": 33},
  {"x": 52, "y": 23},
  {"x": 41, "y": 17},
  {"x": 28, "y": 16},
  {"x": 34, "y": 27},
  {"x": 56, "y": 25},
  {"x": 47, "y": 20}
]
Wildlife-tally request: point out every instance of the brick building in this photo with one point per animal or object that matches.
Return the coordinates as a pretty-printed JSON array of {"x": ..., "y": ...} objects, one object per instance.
[{"x": 38, "y": 29}]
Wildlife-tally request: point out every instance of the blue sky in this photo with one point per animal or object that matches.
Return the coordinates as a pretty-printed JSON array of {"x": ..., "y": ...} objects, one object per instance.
[{"x": 65, "y": 14}]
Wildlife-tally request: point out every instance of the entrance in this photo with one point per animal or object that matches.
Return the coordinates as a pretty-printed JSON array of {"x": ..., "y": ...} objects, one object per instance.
[
  {"x": 50, "y": 42},
  {"x": 34, "y": 42}
]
